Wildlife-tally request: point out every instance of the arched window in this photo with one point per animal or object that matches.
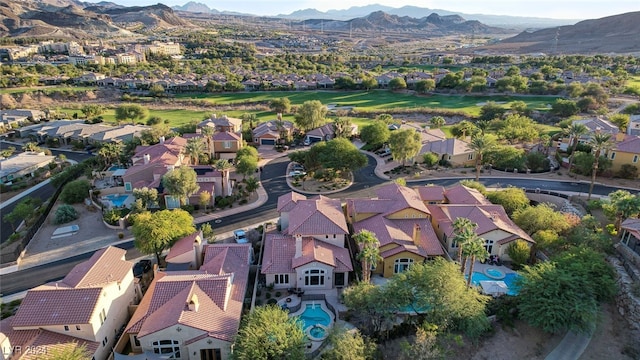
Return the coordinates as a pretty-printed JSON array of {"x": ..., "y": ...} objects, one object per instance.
[
  {"x": 314, "y": 277},
  {"x": 488, "y": 244},
  {"x": 401, "y": 265},
  {"x": 169, "y": 348}
]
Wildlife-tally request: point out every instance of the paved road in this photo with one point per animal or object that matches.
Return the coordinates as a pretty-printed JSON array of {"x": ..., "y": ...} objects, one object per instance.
[
  {"x": 44, "y": 193},
  {"x": 274, "y": 182}
]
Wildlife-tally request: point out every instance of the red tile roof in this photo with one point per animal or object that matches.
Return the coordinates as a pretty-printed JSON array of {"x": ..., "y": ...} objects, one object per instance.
[
  {"x": 320, "y": 251},
  {"x": 400, "y": 232},
  {"x": 166, "y": 301},
  {"x": 57, "y": 307},
  {"x": 461, "y": 194},
  {"x": 403, "y": 198},
  {"x": 317, "y": 216},
  {"x": 49, "y": 304},
  {"x": 279, "y": 250},
  {"x": 183, "y": 245},
  {"x": 39, "y": 339},
  {"x": 630, "y": 144},
  {"x": 288, "y": 201},
  {"x": 225, "y": 136},
  {"x": 222, "y": 258},
  {"x": 488, "y": 218},
  {"x": 431, "y": 193}
]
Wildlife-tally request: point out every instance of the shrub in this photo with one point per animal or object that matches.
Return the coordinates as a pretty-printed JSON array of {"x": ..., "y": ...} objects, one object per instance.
[
  {"x": 519, "y": 253},
  {"x": 120, "y": 235},
  {"x": 64, "y": 214},
  {"x": 187, "y": 208},
  {"x": 75, "y": 191},
  {"x": 628, "y": 171},
  {"x": 111, "y": 217},
  {"x": 430, "y": 159},
  {"x": 272, "y": 302},
  {"x": 278, "y": 294},
  {"x": 267, "y": 295}
]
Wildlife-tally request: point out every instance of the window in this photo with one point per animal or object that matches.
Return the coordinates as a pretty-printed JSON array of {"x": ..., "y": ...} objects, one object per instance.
[
  {"x": 635, "y": 158},
  {"x": 488, "y": 245},
  {"x": 136, "y": 341},
  {"x": 282, "y": 279},
  {"x": 402, "y": 265},
  {"x": 226, "y": 144},
  {"x": 66, "y": 328},
  {"x": 339, "y": 279},
  {"x": 167, "y": 347},
  {"x": 613, "y": 155},
  {"x": 470, "y": 157},
  {"x": 314, "y": 277},
  {"x": 103, "y": 317},
  {"x": 210, "y": 354},
  {"x": 78, "y": 327},
  {"x": 105, "y": 341}
]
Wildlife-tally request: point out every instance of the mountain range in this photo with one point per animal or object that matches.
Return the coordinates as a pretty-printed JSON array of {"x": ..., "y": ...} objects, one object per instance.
[{"x": 514, "y": 22}]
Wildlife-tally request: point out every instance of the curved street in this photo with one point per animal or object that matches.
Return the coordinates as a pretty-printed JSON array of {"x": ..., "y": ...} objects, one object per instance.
[{"x": 274, "y": 182}]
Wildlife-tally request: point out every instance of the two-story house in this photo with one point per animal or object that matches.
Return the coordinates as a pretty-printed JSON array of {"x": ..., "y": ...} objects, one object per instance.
[
  {"x": 86, "y": 308},
  {"x": 153, "y": 161},
  {"x": 494, "y": 225},
  {"x": 625, "y": 151},
  {"x": 193, "y": 314},
  {"x": 402, "y": 225},
  {"x": 309, "y": 252},
  {"x": 270, "y": 132}
]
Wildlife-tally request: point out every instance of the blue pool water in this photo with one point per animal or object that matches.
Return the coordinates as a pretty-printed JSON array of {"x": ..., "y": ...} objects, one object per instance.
[
  {"x": 117, "y": 199},
  {"x": 495, "y": 273},
  {"x": 509, "y": 280},
  {"x": 313, "y": 314},
  {"x": 116, "y": 167}
]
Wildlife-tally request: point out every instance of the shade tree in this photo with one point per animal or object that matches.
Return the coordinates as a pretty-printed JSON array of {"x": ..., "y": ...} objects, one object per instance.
[
  {"x": 404, "y": 144},
  {"x": 181, "y": 182},
  {"x": 310, "y": 115},
  {"x": 155, "y": 232}
]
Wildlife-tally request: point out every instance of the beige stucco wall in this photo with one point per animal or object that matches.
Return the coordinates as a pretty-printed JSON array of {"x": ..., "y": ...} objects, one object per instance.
[
  {"x": 389, "y": 263},
  {"x": 329, "y": 238},
  {"x": 328, "y": 281},
  {"x": 271, "y": 279},
  {"x": 408, "y": 213},
  {"x": 186, "y": 333}
]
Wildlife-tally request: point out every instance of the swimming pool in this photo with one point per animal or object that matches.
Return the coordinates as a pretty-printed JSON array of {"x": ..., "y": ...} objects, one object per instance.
[
  {"x": 494, "y": 273},
  {"x": 509, "y": 280},
  {"x": 315, "y": 321},
  {"x": 116, "y": 167},
  {"x": 118, "y": 200}
]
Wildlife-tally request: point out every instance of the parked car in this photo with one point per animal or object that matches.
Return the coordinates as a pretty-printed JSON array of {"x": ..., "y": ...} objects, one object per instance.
[
  {"x": 141, "y": 267},
  {"x": 297, "y": 167},
  {"x": 297, "y": 173},
  {"x": 240, "y": 236}
]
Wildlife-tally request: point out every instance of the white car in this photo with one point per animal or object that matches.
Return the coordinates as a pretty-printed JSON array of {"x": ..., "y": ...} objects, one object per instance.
[
  {"x": 240, "y": 236},
  {"x": 297, "y": 173}
]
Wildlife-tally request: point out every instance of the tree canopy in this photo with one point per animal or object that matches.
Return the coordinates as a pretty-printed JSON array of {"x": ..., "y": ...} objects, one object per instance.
[
  {"x": 348, "y": 345},
  {"x": 541, "y": 217},
  {"x": 404, "y": 144},
  {"x": 181, "y": 182},
  {"x": 131, "y": 112},
  {"x": 512, "y": 199},
  {"x": 280, "y": 105},
  {"x": 155, "y": 232},
  {"x": 340, "y": 154},
  {"x": 269, "y": 333},
  {"x": 310, "y": 115},
  {"x": 375, "y": 134}
]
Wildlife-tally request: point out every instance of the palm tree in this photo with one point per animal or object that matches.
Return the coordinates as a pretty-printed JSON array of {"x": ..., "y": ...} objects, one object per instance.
[
  {"x": 369, "y": 252},
  {"x": 223, "y": 166},
  {"x": 461, "y": 227},
  {"x": 476, "y": 250},
  {"x": 252, "y": 184},
  {"x": 109, "y": 152},
  {"x": 574, "y": 132},
  {"x": 480, "y": 145},
  {"x": 194, "y": 148},
  {"x": 207, "y": 132},
  {"x": 599, "y": 142}
]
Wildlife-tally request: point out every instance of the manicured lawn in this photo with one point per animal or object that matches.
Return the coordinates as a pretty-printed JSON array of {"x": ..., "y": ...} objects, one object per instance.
[
  {"x": 176, "y": 117},
  {"x": 377, "y": 100},
  {"x": 46, "y": 89}
]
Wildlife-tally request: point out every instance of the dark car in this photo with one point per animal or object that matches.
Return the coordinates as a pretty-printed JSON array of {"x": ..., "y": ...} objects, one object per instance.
[{"x": 141, "y": 267}]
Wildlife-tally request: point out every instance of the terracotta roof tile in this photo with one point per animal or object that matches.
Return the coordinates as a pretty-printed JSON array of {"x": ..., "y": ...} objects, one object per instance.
[
  {"x": 317, "y": 250},
  {"x": 317, "y": 216},
  {"x": 183, "y": 245},
  {"x": 52, "y": 307},
  {"x": 288, "y": 201},
  {"x": 461, "y": 194},
  {"x": 631, "y": 144},
  {"x": 431, "y": 193},
  {"x": 106, "y": 265},
  {"x": 279, "y": 250}
]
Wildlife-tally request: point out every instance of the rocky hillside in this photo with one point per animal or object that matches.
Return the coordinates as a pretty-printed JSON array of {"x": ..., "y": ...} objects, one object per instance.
[
  {"x": 612, "y": 34},
  {"x": 433, "y": 24},
  {"x": 75, "y": 20}
]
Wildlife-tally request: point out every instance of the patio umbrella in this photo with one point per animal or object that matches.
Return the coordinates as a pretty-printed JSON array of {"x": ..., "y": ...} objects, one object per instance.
[{"x": 494, "y": 287}]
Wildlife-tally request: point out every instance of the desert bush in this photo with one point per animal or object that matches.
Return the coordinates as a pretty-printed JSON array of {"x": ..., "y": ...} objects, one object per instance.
[
  {"x": 75, "y": 191},
  {"x": 64, "y": 214}
]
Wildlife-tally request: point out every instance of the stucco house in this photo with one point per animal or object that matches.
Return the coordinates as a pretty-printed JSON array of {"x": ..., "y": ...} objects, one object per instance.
[
  {"x": 221, "y": 124},
  {"x": 191, "y": 314},
  {"x": 22, "y": 164},
  {"x": 402, "y": 224},
  {"x": 309, "y": 253},
  {"x": 494, "y": 225},
  {"x": 453, "y": 150},
  {"x": 269, "y": 132},
  {"x": 149, "y": 163},
  {"x": 87, "y": 307},
  {"x": 186, "y": 253},
  {"x": 625, "y": 151}
]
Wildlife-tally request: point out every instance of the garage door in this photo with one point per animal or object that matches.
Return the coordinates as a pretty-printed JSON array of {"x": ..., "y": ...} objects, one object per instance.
[{"x": 267, "y": 141}]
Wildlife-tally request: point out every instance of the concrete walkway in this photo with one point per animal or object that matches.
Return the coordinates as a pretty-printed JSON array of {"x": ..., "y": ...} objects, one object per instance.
[{"x": 571, "y": 347}]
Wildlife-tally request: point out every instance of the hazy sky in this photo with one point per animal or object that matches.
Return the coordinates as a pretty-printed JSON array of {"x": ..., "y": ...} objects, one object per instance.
[{"x": 559, "y": 9}]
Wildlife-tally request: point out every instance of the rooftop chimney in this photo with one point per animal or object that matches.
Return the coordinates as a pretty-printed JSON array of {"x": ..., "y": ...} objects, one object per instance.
[
  {"x": 279, "y": 116},
  {"x": 416, "y": 232},
  {"x": 298, "y": 245},
  {"x": 161, "y": 140},
  {"x": 147, "y": 158}
]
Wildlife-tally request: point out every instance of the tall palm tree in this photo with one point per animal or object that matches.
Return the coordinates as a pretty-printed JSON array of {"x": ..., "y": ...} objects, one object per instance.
[
  {"x": 599, "y": 142},
  {"x": 461, "y": 227},
  {"x": 574, "y": 131},
  {"x": 194, "y": 148},
  {"x": 480, "y": 145},
  {"x": 109, "y": 152},
  {"x": 223, "y": 166},
  {"x": 369, "y": 252},
  {"x": 207, "y": 132},
  {"x": 477, "y": 251}
]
